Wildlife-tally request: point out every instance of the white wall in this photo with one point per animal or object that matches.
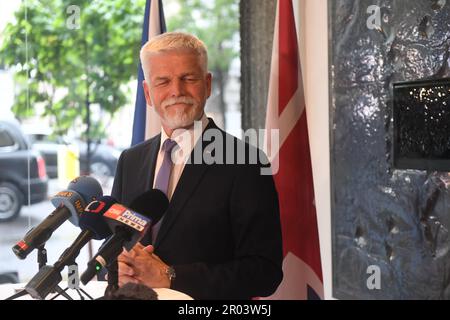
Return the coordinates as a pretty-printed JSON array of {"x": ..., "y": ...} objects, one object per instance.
[{"x": 312, "y": 26}]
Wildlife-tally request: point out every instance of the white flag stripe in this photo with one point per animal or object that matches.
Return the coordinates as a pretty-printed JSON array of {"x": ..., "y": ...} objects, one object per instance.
[
  {"x": 290, "y": 116},
  {"x": 286, "y": 122},
  {"x": 152, "y": 122},
  {"x": 272, "y": 99},
  {"x": 296, "y": 273},
  {"x": 154, "y": 26}
]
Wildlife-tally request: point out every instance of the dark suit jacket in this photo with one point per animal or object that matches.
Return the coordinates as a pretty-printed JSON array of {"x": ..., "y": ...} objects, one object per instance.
[{"x": 221, "y": 231}]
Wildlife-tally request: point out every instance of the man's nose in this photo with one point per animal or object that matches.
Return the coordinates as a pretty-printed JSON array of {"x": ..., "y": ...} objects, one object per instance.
[{"x": 177, "y": 88}]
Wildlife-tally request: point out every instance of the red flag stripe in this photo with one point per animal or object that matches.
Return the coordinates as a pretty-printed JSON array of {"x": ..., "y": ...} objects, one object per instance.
[
  {"x": 295, "y": 188},
  {"x": 288, "y": 55}
]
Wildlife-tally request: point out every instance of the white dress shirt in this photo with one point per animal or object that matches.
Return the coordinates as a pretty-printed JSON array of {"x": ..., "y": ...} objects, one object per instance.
[{"x": 186, "y": 140}]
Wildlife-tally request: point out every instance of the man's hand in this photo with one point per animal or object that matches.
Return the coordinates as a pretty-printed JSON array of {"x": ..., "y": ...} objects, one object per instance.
[{"x": 141, "y": 265}]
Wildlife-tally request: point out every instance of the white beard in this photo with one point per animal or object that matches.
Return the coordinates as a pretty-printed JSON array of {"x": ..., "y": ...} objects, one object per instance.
[{"x": 182, "y": 118}]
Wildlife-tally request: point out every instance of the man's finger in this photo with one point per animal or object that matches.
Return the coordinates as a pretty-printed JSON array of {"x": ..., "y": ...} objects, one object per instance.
[
  {"x": 129, "y": 254},
  {"x": 126, "y": 270},
  {"x": 125, "y": 259},
  {"x": 149, "y": 248}
]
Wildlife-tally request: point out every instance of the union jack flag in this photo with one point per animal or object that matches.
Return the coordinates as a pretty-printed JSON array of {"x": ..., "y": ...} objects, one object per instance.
[{"x": 294, "y": 180}]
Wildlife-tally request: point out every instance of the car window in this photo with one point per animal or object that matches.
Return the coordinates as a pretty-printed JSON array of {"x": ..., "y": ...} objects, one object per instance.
[{"x": 5, "y": 139}]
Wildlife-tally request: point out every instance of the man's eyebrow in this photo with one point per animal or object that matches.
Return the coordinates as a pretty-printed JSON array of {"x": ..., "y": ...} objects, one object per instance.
[{"x": 189, "y": 74}]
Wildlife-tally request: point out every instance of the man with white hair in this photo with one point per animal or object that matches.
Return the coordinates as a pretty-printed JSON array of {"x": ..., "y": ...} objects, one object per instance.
[{"x": 220, "y": 237}]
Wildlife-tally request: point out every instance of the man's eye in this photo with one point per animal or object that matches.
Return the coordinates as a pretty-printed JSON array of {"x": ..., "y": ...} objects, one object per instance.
[
  {"x": 161, "y": 83},
  {"x": 190, "y": 79}
]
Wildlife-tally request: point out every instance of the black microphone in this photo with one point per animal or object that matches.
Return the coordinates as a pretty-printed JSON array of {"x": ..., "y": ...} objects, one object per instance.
[
  {"x": 93, "y": 226},
  {"x": 69, "y": 204},
  {"x": 158, "y": 206},
  {"x": 128, "y": 228}
]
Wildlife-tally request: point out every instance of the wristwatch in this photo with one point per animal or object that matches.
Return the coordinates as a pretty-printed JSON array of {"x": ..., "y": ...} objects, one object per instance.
[{"x": 170, "y": 272}]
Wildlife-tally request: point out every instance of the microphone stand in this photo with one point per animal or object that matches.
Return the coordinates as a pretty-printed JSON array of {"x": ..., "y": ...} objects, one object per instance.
[
  {"x": 42, "y": 261},
  {"x": 113, "y": 278},
  {"x": 41, "y": 256},
  {"x": 76, "y": 286}
]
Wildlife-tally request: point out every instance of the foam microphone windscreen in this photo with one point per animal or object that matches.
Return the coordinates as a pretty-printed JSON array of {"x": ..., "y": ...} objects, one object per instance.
[
  {"x": 152, "y": 204},
  {"x": 88, "y": 187},
  {"x": 84, "y": 187},
  {"x": 131, "y": 291},
  {"x": 92, "y": 217}
]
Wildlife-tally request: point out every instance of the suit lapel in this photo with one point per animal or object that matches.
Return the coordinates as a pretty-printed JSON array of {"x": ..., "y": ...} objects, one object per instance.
[
  {"x": 150, "y": 161},
  {"x": 140, "y": 170},
  {"x": 145, "y": 173},
  {"x": 189, "y": 180}
]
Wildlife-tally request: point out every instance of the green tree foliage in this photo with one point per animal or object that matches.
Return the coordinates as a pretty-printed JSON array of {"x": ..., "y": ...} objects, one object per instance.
[
  {"x": 216, "y": 22},
  {"x": 77, "y": 53}
]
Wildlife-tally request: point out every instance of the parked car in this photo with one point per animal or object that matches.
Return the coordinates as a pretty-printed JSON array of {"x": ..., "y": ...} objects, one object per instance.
[
  {"x": 103, "y": 162},
  {"x": 9, "y": 277},
  {"x": 22, "y": 171},
  {"x": 104, "y": 159}
]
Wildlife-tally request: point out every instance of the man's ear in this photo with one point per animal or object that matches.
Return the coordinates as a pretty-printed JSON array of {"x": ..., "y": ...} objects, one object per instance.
[
  {"x": 147, "y": 93},
  {"x": 208, "y": 84}
]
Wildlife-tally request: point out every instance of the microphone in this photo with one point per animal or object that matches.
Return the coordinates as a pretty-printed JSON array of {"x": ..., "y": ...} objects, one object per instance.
[
  {"x": 128, "y": 227},
  {"x": 69, "y": 204},
  {"x": 93, "y": 226}
]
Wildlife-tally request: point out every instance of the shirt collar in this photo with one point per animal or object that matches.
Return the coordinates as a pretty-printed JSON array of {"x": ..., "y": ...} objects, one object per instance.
[{"x": 185, "y": 139}]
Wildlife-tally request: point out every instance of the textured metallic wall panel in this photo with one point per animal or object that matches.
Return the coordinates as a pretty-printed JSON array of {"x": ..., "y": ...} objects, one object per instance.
[{"x": 395, "y": 220}]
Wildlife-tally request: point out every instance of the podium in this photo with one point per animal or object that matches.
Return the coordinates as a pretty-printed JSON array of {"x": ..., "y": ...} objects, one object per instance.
[{"x": 95, "y": 289}]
